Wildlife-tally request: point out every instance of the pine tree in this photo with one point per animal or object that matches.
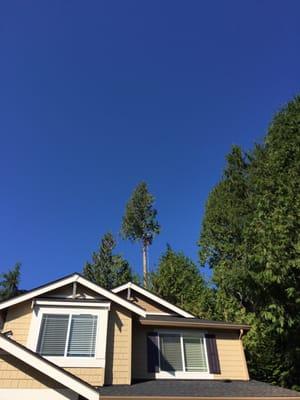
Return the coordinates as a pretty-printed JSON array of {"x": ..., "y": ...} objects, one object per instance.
[
  {"x": 140, "y": 223},
  {"x": 9, "y": 285},
  {"x": 251, "y": 239},
  {"x": 177, "y": 279},
  {"x": 108, "y": 270}
]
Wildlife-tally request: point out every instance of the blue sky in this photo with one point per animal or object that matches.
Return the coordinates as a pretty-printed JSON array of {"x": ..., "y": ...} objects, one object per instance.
[{"x": 96, "y": 96}]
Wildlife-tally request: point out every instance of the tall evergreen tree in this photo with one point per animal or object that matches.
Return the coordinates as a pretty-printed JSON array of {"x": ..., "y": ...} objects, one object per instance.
[
  {"x": 177, "y": 279},
  {"x": 251, "y": 238},
  {"x": 140, "y": 223},
  {"x": 9, "y": 284},
  {"x": 108, "y": 270}
]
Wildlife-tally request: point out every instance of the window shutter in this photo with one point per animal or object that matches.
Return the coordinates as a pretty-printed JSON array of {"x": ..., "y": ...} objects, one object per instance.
[
  {"x": 82, "y": 337},
  {"x": 152, "y": 352},
  {"x": 212, "y": 354},
  {"x": 53, "y": 333}
]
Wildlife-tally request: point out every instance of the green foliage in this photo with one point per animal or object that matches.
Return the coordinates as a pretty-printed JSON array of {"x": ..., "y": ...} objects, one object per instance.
[
  {"x": 9, "y": 284},
  {"x": 251, "y": 238},
  {"x": 108, "y": 270},
  {"x": 177, "y": 280},
  {"x": 139, "y": 222}
]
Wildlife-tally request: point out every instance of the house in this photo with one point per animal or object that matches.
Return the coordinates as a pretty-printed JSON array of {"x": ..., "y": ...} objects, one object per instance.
[{"x": 72, "y": 339}]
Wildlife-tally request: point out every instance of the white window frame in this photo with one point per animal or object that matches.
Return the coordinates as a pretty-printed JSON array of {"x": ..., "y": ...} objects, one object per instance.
[
  {"x": 98, "y": 360},
  {"x": 183, "y": 374}
]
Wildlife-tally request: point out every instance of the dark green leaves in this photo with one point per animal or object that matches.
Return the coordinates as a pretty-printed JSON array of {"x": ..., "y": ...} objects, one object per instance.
[
  {"x": 9, "y": 284},
  {"x": 107, "y": 269},
  {"x": 251, "y": 238},
  {"x": 139, "y": 222}
]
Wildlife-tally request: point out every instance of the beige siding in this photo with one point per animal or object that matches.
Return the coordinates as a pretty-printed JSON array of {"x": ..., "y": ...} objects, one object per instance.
[
  {"x": 16, "y": 374},
  {"x": 18, "y": 321},
  {"x": 143, "y": 302},
  {"x": 230, "y": 350},
  {"x": 118, "y": 351},
  {"x": 139, "y": 353},
  {"x": 232, "y": 357},
  {"x": 93, "y": 376}
]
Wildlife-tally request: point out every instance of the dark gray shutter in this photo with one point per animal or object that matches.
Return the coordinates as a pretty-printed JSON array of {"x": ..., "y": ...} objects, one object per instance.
[
  {"x": 212, "y": 354},
  {"x": 152, "y": 352}
]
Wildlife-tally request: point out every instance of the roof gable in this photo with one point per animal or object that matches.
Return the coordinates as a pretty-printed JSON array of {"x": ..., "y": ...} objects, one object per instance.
[
  {"x": 52, "y": 286},
  {"x": 154, "y": 298}
]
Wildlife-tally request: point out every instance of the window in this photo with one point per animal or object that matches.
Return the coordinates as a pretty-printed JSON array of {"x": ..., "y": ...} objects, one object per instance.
[
  {"x": 170, "y": 353},
  {"x": 194, "y": 354},
  {"x": 67, "y": 335},
  {"x": 182, "y": 352}
]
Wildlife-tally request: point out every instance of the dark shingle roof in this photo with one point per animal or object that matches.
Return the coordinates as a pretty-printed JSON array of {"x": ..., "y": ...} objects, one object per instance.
[{"x": 200, "y": 389}]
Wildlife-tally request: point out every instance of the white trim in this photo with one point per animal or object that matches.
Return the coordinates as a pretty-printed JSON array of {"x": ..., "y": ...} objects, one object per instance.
[
  {"x": 38, "y": 292},
  {"x": 153, "y": 297},
  {"x": 52, "y": 371},
  {"x": 160, "y": 313},
  {"x": 183, "y": 374},
  {"x": 37, "y": 394},
  {"x": 74, "y": 278},
  {"x": 58, "y": 303},
  {"x": 77, "y": 362}
]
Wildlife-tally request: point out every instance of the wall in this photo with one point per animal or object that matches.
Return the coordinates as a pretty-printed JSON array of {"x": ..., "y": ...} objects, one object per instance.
[
  {"x": 143, "y": 302},
  {"x": 232, "y": 356},
  {"x": 230, "y": 350},
  {"x": 18, "y": 320},
  {"x": 118, "y": 351}
]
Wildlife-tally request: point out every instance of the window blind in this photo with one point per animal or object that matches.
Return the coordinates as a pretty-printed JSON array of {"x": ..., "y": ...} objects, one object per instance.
[
  {"x": 82, "y": 337},
  {"x": 53, "y": 333},
  {"x": 170, "y": 353},
  {"x": 194, "y": 354}
]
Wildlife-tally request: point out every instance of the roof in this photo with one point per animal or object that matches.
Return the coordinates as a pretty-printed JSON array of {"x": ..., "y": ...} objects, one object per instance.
[
  {"x": 199, "y": 389},
  {"x": 48, "y": 368},
  {"x": 153, "y": 297},
  {"x": 68, "y": 280},
  {"x": 165, "y": 320}
]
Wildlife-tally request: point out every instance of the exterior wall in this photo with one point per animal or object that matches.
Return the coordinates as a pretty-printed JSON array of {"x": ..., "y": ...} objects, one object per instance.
[
  {"x": 119, "y": 347},
  {"x": 230, "y": 349},
  {"x": 232, "y": 357},
  {"x": 143, "y": 302},
  {"x": 18, "y": 320},
  {"x": 16, "y": 374}
]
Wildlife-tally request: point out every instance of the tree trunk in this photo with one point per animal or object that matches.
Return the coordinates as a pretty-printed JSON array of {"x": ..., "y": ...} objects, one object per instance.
[{"x": 145, "y": 266}]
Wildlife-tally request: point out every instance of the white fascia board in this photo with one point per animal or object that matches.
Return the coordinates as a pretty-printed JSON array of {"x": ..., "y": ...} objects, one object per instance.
[
  {"x": 39, "y": 291},
  {"x": 153, "y": 297},
  {"x": 112, "y": 296},
  {"x": 45, "y": 367},
  {"x": 74, "y": 278}
]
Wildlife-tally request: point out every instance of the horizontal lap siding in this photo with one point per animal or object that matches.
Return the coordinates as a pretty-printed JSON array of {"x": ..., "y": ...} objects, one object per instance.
[
  {"x": 139, "y": 355},
  {"x": 14, "y": 374},
  {"x": 230, "y": 351},
  {"x": 18, "y": 320},
  {"x": 93, "y": 376},
  {"x": 231, "y": 356},
  {"x": 118, "y": 350},
  {"x": 143, "y": 302}
]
